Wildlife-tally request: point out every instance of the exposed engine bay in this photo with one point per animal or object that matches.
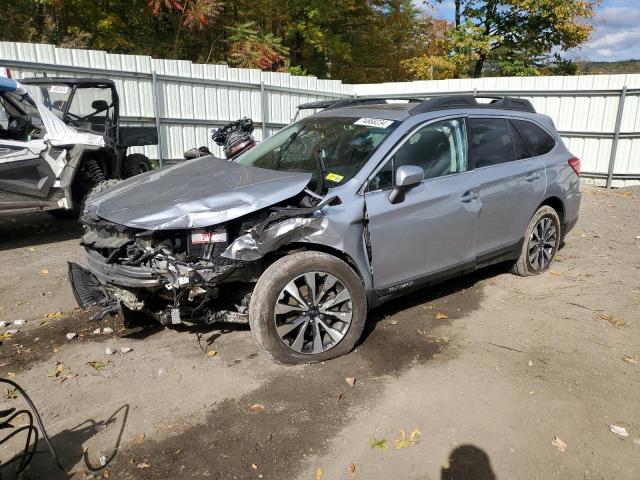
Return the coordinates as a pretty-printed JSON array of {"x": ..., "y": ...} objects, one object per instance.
[{"x": 188, "y": 275}]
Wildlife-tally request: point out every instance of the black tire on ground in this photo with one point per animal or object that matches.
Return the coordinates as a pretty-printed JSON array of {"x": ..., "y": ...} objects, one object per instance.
[
  {"x": 135, "y": 164},
  {"x": 523, "y": 266},
  {"x": 98, "y": 189},
  {"x": 271, "y": 284}
]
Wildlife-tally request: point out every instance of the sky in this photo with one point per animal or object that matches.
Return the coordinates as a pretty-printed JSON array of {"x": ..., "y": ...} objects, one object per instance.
[{"x": 616, "y": 35}]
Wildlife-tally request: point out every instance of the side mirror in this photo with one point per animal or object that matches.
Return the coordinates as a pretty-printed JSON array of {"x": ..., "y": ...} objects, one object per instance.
[
  {"x": 99, "y": 105},
  {"x": 407, "y": 176}
]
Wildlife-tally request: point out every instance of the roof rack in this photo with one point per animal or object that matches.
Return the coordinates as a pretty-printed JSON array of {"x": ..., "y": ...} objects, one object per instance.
[
  {"x": 470, "y": 101},
  {"x": 351, "y": 102}
]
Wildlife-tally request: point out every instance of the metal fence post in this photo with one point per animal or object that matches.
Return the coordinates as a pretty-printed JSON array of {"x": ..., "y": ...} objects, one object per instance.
[
  {"x": 264, "y": 106},
  {"x": 156, "y": 113},
  {"x": 616, "y": 136}
]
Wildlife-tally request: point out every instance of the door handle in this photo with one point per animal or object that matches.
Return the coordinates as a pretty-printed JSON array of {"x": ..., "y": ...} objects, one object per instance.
[
  {"x": 469, "y": 196},
  {"x": 532, "y": 177}
]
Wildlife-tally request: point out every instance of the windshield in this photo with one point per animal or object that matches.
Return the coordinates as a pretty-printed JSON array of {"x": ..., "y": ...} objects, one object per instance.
[
  {"x": 19, "y": 117},
  {"x": 88, "y": 108},
  {"x": 332, "y": 149}
]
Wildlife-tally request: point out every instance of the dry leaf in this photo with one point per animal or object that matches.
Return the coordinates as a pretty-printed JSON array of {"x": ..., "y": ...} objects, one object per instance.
[
  {"x": 404, "y": 441},
  {"x": 630, "y": 359},
  {"x": 11, "y": 393},
  {"x": 5, "y": 336},
  {"x": 97, "y": 365},
  {"x": 54, "y": 315},
  {"x": 140, "y": 438},
  {"x": 257, "y": 407},
  {"x": 441, "y": 316},
  {"x": 556, "y": 442},
  {"x": 616, "y": 322},
  {"x": 254, "y": 466},
  {"x": 351, "y": 381},
  {"x": 319, "y": 473},
  {"x": 11, "y": 374},
  {"x": 44, "y": 271},
  {"x": 352, "y": 470},
  {"x": 143, "y": 465},
  {"x": 381, "y": 444},
  {"x": 618, "y": 430},
  {"x": 338, "y": 396},
  {"x": 211, "y": 353},
  {"x": 555, "y": 272}
]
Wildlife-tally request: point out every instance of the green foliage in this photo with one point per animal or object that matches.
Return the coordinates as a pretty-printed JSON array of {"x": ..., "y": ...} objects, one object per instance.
[{"x": 351, "y": 40}]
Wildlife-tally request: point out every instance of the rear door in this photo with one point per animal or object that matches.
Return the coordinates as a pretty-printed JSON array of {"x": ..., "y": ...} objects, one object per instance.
[
  {"x": 511, "y": 181},
  {"x": 432, "y": 230}
]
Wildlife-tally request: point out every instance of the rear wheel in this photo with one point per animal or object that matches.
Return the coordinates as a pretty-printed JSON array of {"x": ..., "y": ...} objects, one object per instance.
[
  {"x": 135, "y": 164},
  {"x": 541, "y": 243},
  {"x": 307, "y": 307}
]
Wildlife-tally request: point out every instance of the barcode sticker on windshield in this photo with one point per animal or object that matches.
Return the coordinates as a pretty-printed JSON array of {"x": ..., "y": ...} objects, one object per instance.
[
  {"x": 374, "y": 122},
  {"x": 58, "y": 89}
]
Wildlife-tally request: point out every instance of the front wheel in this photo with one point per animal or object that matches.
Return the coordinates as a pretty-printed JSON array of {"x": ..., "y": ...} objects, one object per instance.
[
  {"x": 541, "y": 243},
  {"x": 135, "y": 164},
  {"x": 307, "y": 307}
]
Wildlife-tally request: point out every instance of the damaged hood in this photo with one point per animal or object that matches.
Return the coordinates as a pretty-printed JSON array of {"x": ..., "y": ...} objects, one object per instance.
[{"x": 195, "y": 194}]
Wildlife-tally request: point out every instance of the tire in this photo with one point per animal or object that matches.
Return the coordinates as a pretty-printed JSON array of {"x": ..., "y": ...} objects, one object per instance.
[
  {"x": 534, "y": 259},
  {"x": 321, "y": 269},
  {"x": 96, "y": 190},
  {"x": 135, "y": 164}
]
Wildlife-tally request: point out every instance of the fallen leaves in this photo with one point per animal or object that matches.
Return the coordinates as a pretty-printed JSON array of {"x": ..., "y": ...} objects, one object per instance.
[
  {"x": 257, "y": 407},
  {"x": 143, "y": 465},
  {"x": 96, "y": 365},
  {"x": 441, "y": 316},
  {"x": 211, "y": 353},
  {"x": 319, "y": 473},
  {"x": 351, "y": 470},
  {"x": 381, "y": 444},
  {"x": 618, "y": 430},
  {"x": 139, "y": 438},
  {"x": 71, "y": 335},
  {"x": 630, "y": 359},
  {"x": 616, "y": 322},
  {"x": 44, "y": 271},
  {"x": 559, "y": 444},
  {"x": 5, "y": 336},
  {"x": 404, "y": 441},
  {"x": 11, "y": 393},
  {"x": 54, "y": 315},
  {"x": 351, "y": 381}
]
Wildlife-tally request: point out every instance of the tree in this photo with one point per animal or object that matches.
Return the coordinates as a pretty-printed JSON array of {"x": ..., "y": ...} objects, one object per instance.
[
  {"x": 522, "y": 32},
  {"x": 249, "y": 49}
]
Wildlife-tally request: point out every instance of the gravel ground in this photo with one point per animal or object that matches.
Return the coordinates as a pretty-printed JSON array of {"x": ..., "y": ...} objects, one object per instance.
[{"x": 480, "y": 394}]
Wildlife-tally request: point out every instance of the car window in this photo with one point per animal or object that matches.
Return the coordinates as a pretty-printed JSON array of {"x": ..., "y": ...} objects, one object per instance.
[
  {"x": 539, "y": 141},
  {"x": 439, "y": 148},
  {"x": 490, "y": 141},
  {"x": 520, "y": 146}
]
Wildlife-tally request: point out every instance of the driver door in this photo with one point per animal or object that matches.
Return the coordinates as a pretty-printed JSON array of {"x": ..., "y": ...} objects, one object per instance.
[
  {"x": 431, "y": 231},
  {"x": 25, "y": 176}
]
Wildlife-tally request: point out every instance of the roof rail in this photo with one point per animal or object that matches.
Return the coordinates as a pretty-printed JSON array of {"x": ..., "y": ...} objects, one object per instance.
[
  {"x": 351, "y": 102},
  {"x": 470, "y": 101}
]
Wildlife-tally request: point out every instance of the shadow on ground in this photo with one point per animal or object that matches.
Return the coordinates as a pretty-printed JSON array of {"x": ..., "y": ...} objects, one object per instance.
[{"x": 33, "y": 229}]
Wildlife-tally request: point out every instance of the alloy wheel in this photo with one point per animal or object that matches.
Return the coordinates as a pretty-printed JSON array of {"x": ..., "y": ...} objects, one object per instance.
[
  {"x": 313, "y": 313},
  {"x": 542, "y": 244}
]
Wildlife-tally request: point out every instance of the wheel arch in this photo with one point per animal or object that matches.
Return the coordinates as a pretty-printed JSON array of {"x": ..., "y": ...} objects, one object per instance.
[
  {"x": 317, "y": 247},
  {"x": 557, "y": 204}
]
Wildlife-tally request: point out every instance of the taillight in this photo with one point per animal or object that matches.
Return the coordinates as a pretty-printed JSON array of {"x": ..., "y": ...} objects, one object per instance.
[{"x": 574, "y": 163}]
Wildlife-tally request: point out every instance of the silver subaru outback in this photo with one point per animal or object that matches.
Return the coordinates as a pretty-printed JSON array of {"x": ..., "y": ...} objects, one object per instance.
[{"x": 332, "y": 216}]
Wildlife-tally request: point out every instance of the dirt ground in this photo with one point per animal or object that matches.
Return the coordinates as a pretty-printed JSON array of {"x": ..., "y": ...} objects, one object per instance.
[{"x": 480, "y": 394}]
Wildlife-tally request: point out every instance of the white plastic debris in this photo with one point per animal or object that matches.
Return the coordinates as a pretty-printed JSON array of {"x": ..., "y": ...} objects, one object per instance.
[
  {"x": 125, "y": 350},
  {"x": 19, "y": 322},
  {"x": 107, "y": 330},
  {"x": 96, "y": 332},
  {"x": 3, "y": 323},
  {"x": 103, "y": 460},
  {"x": 618, "y": 430},
  {"x": 71, "y": 335},
  {"x": 531, "y": 363},
  {"x": 109, "y": 351},
  {"x": 12, "y": 331}
]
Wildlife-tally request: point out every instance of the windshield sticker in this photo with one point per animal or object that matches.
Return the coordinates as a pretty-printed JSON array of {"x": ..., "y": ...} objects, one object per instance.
[
  {"x": 374, "y": 122},
  {"x": 58, "y": 89},
  {"x": 334, "y": 177}
]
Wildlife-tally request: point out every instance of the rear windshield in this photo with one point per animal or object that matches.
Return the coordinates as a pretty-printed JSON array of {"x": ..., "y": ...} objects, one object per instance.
[{"x": 332, "y": 149}]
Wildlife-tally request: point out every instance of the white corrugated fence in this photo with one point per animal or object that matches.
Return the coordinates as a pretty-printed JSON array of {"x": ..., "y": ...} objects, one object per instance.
[{"x": 597, "y": 115}]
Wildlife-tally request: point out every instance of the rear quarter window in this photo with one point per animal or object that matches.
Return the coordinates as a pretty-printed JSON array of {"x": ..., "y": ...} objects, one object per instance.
[
  {"x": 538, "y": 141},
  {"x": 491, "y": 142}
]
